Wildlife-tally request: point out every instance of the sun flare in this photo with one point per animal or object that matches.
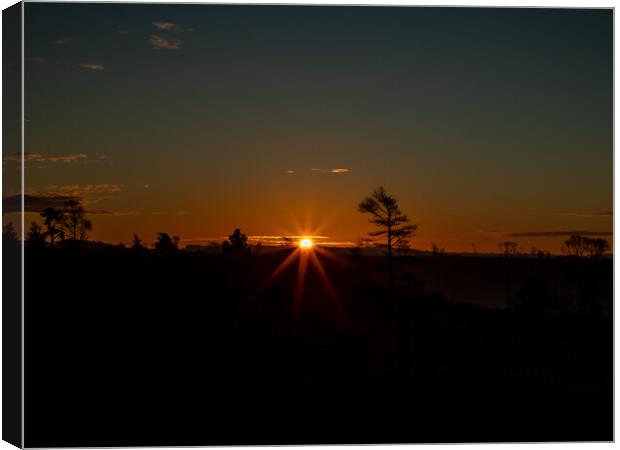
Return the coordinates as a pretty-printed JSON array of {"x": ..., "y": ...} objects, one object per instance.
[{"x": 305, "y": 243}]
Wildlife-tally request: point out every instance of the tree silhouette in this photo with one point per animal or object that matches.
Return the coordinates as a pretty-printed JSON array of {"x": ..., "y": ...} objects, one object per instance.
[
  {"x": 597, "y": 247},
  {"x": 387, "y": 216},
  {"x": 35, "y": 237},
  {"x": 136, "y": 243},
  {"x": 52, "y": 219},
  {"x": 74, "y": 222},
  {"x": 167, "y": 244},
  {"x": 237, "y": 242},
  {"x": 9, "y": 235},
  {"x": 576, "y": 245}
]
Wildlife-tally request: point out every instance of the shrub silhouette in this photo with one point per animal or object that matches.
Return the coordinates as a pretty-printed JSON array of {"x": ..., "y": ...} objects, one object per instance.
[
  {"x": 9, "y": 235},
  {"x": 35, "y": 237},
  {"x": 508, "y": 248},
  {"x": 437, "y": 250},
  {"x": 136, "y": 242},
  {"x": 166, "y": 244}
]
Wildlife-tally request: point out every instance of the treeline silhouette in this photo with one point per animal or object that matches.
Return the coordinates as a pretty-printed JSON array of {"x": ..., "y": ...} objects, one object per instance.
[{"x": 69, "y": 225}]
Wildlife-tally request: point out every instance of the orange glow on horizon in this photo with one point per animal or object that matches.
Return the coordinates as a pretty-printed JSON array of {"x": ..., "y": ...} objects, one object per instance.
[{"x": 305, "y": 243}]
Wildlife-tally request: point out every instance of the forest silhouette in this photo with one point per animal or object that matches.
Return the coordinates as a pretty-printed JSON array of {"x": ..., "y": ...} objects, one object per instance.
[{"x": 129, "y": 343}]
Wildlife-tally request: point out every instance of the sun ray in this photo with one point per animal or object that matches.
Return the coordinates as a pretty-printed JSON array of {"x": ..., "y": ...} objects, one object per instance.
[
  {"x": 333, "y": 256},
  {"x": 300, "y": 283},
  {"x": 306, "y": 254},
  {"x": 336, "y": 302},
  {"x": 273, "y": 275},
  {"x": 327, "y": 284}
]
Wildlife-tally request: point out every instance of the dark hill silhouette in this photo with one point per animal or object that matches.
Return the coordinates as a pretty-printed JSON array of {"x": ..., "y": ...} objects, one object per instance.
[{"x": 164, "y": 348}]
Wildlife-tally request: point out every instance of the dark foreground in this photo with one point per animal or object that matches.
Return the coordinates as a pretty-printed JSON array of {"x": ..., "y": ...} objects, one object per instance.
[{"x": 135, "y": 348}]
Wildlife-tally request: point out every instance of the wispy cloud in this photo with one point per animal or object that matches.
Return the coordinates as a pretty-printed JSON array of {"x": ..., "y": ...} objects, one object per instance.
[
  {"x": 167, "y": 26},
  {"x": 106, "y": 212},
  {"x": 87, "y": 193},
  {"x": 92, "y": 66},
  {"x": 290, "y": 171},
  {"x": 67, "y": 159},
  {"x": 334, "y": 170},
  {"x": 588, "y": 214},
  {"x": 31, "y": 158},
  {"x": 161, "y": 43},
  {"x": 81, "y": 189},
  {"x": 62, "y": 40}
]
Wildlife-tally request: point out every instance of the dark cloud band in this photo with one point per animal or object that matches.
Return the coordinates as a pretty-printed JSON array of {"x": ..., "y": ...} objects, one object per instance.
[
  {"x": 34, "y": 203},
  {"x": 559, "y": 233}
]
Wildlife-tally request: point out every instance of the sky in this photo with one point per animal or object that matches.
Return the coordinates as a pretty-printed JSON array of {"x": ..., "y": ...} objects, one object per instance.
[{"x": 486, "y": 124}]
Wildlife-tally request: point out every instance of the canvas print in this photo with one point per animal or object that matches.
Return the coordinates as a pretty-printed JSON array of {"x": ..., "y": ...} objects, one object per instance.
[{"x": 286, "y": 224}]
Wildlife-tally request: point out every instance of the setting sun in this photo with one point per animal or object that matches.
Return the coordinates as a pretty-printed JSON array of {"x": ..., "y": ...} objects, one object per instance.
[{"x": 305, "y": 243}]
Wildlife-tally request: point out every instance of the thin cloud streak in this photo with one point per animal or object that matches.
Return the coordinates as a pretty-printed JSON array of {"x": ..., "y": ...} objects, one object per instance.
[
  {"x": 38, "y": 157},
  {"x": 336, "y": 170},
  {"x": 559, "y": 233},
  {"x": 87, "y": 193},
  {"x": 106, "y": 212},
  {"x": 80, "y": 189},
  {"x": 95, "y": 67},
  {"x": 62, "y": 40},
  {"x": 492, "y": 231},
  {"x": 39, "y": 161},
  {"x": 588, "y": 214},
  {"x": 553, "y": 233}
]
